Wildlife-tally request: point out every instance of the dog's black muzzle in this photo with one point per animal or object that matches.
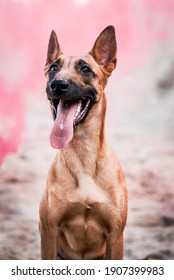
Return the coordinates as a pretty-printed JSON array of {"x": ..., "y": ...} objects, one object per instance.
[{"x": 69, "y": 90}]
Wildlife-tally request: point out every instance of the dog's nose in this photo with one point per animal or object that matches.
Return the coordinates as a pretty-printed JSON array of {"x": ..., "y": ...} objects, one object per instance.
[{"x": 59, "y": 85}]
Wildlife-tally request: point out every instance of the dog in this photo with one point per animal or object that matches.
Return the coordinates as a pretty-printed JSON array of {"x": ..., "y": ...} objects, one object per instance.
[{"x": 83, "y": 210}]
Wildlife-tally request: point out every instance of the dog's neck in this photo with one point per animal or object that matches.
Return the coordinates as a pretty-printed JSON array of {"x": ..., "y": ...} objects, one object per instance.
[{"x": 87, "y": 145}]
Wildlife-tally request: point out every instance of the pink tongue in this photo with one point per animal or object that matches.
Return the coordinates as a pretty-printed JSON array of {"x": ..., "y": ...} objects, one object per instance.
[{"x": 62, "y": 131}]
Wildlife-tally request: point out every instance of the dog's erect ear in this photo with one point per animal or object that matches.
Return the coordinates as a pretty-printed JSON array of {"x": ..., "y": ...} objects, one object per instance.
[
  {"x": 104, "y": 49},
  {"x": 54, "y": 49}
]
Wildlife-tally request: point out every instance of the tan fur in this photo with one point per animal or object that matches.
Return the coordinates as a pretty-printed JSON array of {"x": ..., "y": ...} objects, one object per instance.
[{"x": 84, "y": 207}]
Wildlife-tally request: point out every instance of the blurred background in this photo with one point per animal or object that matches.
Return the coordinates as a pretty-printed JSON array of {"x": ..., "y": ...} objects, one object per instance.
[{"x": 140, "y": 121}]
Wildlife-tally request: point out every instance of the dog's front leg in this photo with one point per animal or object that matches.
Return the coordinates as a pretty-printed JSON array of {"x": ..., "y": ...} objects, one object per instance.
[
  {"x": 114, "y": 247},
  {"x": 49, "y": 243}
]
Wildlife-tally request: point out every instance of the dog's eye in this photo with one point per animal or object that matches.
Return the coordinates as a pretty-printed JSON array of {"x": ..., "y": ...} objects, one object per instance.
[
  {"x": 85, "y": 69},
  {"x": 53, "y": 68}
]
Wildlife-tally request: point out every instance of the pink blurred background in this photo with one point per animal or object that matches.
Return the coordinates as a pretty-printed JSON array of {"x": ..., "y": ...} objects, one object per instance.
[{"x": 25, "y": 26}]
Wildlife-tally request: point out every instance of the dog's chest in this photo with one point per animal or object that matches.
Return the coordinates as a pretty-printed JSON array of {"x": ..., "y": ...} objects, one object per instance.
[{"x": 87, "y": 191}]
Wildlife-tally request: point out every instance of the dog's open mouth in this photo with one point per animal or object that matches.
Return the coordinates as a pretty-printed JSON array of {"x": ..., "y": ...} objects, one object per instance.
[
  {"x": 67, "y": 115},
  {"x": 83, "y": 106}
]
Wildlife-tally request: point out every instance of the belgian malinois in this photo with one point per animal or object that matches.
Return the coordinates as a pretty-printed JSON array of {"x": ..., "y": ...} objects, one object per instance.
[{"x": 84, "y": 207}]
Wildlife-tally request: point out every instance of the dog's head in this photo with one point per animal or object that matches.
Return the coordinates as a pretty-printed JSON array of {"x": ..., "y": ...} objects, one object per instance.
[{"x": 75, "y": 84}]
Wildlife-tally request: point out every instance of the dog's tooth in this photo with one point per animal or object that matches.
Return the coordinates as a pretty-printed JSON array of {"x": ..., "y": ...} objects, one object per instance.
[
  {"x": 75, "y": 116},
  {"x": 78, "y": 110},
  {"x": 76, "y": 113},
  {"x": 79, "y": 106}
]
